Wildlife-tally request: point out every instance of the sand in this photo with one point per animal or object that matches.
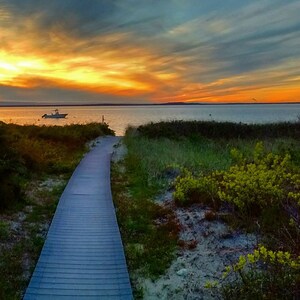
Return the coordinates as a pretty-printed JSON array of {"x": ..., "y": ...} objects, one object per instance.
[{"x": 216, "y": 246}]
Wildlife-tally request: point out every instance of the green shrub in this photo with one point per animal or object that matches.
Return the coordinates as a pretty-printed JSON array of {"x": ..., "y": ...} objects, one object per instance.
[
  {"x": 268, "y": 180},
  {"x": 263, "y": 274},
  {"x": 191, "y": 189}
]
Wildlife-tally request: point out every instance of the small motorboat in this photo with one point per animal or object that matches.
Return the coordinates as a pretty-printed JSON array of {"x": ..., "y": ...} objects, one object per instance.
[{"x": 55, "y": 115}]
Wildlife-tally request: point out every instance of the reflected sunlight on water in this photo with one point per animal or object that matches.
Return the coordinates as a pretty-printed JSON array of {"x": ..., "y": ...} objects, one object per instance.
[{"x": 119, "y": 117}]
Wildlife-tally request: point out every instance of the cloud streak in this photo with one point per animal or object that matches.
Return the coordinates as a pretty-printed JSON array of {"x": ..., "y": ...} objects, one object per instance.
[{"x": 128, "y": 51}]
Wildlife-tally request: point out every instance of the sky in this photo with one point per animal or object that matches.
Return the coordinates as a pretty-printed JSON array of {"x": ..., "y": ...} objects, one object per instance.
[{"x": 149, "y": 51}]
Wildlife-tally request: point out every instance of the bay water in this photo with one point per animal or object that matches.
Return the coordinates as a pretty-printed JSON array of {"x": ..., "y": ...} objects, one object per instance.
[{"x": 119, "y": 117}]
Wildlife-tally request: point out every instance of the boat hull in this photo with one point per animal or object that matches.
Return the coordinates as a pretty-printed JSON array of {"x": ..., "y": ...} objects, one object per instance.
[{"x": 56, "y": 116}]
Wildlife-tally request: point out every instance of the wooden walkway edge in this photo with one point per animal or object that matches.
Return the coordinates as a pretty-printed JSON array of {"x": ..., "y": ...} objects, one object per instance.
[{"x": 83, "y": 256}]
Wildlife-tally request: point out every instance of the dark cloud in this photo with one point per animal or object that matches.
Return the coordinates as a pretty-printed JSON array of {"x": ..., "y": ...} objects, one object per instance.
[{"x": 86, "y": 17}]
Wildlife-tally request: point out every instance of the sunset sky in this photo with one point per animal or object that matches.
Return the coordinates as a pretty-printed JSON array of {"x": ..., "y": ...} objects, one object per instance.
[{"x": 144, "y": 51}]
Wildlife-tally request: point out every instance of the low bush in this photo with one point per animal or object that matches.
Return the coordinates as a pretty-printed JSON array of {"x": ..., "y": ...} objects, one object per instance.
[
  {"x": 189, "y": 189},
  {"x": 267, "y": 180},
  {"x": 263, "y": 274}
]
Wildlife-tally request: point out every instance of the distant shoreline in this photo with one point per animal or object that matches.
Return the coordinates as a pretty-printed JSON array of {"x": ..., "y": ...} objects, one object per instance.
[{"x": 148, "y": 104}]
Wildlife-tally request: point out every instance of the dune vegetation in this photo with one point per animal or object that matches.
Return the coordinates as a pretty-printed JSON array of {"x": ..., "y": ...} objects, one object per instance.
[
  {"x": 250, "y": 172},
  {"x": 27, "y": 151}
]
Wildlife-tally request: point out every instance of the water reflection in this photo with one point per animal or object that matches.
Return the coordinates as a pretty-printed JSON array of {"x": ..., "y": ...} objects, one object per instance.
[{"x": 119, "y": 117}]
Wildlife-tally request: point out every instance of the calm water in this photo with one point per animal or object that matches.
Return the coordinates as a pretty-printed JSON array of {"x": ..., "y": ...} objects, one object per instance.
[{"x": 119, "y": 117}]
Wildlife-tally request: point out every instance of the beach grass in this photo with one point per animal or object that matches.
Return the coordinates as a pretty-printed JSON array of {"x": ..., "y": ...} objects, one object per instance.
[{"x": 149, "y": 231}]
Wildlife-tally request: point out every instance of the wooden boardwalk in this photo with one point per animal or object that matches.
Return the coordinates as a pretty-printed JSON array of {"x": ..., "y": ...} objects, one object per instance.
[{"x": 83, "y": 255}]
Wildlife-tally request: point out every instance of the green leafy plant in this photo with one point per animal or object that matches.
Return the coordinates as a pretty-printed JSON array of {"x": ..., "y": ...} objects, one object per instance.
[
  {"x": 263, "y": 274},
  {"x": 267, "y": 180},
  {"x": 192, "y": 189}
]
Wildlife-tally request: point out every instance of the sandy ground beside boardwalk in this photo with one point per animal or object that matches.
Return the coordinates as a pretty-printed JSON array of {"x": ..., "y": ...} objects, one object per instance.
[{"x": 212, "y": 246}]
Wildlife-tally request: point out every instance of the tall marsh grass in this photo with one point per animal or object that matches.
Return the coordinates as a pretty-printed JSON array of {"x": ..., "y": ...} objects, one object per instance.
[
  {"x": 223, "y": 130},
  {"x": 158, "y": 155}
]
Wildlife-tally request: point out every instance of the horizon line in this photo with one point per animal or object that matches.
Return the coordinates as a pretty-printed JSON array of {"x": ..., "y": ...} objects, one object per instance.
[{"x": 148, "y": 104}]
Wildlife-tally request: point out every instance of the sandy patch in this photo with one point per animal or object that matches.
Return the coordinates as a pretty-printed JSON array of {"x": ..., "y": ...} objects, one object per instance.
[
  {"x": 207, "y": 247},
  {"x": 17, "y": 224}
]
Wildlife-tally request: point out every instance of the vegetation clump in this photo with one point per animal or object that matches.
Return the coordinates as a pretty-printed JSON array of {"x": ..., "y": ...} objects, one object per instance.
[
  {"x": 189, "y": 189},
  {"x": 28, "y": 150},
  {"x": 267, "y": 180},
  {"x": 263, "y": 274}
]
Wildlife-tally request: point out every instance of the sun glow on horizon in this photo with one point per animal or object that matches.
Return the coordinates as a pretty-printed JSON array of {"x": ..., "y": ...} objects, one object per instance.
[
  {"x": 23, "y": 71},
  {"x": 122, "y": 78}
]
